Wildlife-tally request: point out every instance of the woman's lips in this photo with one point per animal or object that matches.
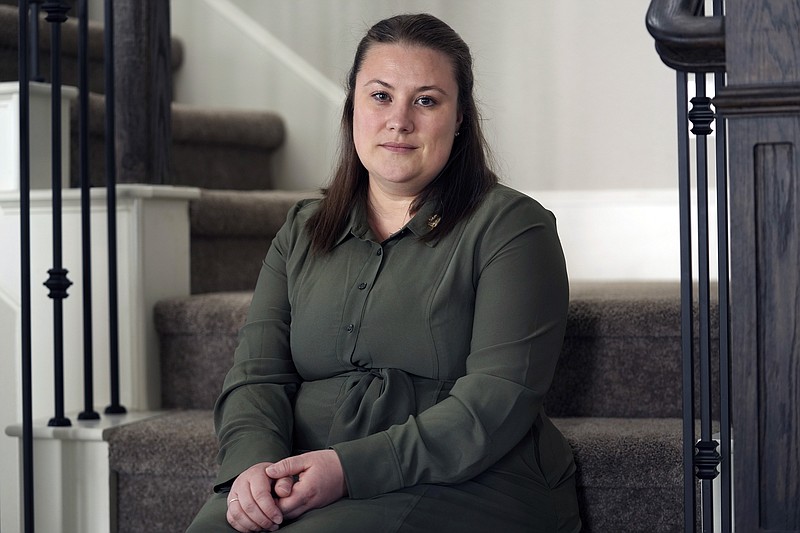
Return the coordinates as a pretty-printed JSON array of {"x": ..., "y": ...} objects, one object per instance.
[{"x": 398, "y": 147}]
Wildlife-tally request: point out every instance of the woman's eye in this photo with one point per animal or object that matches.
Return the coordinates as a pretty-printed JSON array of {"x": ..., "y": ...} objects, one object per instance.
[
  {"x": 426, "y": 101},
  {"x": 380, "y": 96}
]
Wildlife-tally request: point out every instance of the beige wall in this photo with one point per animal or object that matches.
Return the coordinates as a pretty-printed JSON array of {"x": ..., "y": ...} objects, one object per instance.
[{"x": 573, "y": 94}]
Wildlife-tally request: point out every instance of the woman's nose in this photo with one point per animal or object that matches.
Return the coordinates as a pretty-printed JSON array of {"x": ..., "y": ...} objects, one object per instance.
[{"x": 400, "y": 120}]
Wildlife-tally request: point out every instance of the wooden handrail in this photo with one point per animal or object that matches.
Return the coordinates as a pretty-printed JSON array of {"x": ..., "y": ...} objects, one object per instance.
[{"x": 686, "y": 40}]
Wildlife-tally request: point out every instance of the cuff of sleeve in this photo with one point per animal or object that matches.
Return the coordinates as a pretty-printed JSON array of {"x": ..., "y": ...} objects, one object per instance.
[
  {"x": 370, "y": 465},
  {"x": 242, "y": 455}
]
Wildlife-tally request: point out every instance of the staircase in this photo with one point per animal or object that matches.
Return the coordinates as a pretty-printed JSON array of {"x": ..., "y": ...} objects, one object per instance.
[
  {"x": 616, "y": 396},
  {"x": 211, "y": 148},
  {"x": 616, "y": 393}
]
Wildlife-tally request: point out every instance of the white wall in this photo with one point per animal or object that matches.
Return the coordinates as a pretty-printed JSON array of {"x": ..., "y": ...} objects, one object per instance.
[
  {"x": 576, "y": 103},
  {"x": 573, "y": 93}
]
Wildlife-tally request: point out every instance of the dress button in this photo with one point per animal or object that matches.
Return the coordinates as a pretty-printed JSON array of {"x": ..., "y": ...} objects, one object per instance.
[
  {"x": 362, "y": 286},
  {"x": 380, "y": 251},
  {"x": 350, "y": 328}
]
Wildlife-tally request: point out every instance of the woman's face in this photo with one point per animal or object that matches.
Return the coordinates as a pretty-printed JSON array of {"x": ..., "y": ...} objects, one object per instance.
[{"x": 405, "y": 116}]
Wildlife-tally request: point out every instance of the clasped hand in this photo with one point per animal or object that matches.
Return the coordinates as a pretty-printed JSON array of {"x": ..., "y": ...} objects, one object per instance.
[{"x": 266, "y": 494}]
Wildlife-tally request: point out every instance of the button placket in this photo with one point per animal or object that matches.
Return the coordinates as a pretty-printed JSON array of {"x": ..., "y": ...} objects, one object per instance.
[{"x": 357, "y": 302}]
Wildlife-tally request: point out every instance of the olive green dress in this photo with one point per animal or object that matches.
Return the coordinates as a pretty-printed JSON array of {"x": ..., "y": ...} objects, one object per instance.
[{"x": 422, "y": 364}]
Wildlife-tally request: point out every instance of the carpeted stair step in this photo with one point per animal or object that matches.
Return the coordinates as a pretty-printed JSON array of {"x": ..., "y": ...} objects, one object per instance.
[
  {"x": 627, "y": 336},
  {"x": 211, "y": 148},
  {"x": 616, "y": 397},
  {"x": 197, "y": 336},
  {"x": 630, "y": 472},
  {"x": 626, "y": 333},
  {"x": 630, "y": 475},
  {"x": 231, "y": 232},
  {"x": 164, "y": 471}
]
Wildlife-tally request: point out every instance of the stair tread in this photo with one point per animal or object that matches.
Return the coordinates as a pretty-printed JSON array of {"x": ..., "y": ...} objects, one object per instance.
[
  {"x": 213, "y": 148},
  {"x": 610, "y": 452},
  {"x": 614, "y": 350},
  {"x": 629, "y": 471},
  {"x": 201, "y": 124},
  {"x": 638, "y": 314},
  {"x": 177, "y": 442}
]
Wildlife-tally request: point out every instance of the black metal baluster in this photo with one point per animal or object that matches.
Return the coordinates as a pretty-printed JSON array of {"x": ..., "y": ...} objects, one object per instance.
[
  {"x": 707, "y": 457},
  {"x": 724, "y": 325},
  {"x": 724, "y": 319},
  {"x": 35, "y": 75},
  {"x": 88, "y": 412},
  {"x": 58, "y": 283},
  {"x": 687, "y": 313},
  {"x": 25, "y": 270},
  {"x": 111, "y": 202}
]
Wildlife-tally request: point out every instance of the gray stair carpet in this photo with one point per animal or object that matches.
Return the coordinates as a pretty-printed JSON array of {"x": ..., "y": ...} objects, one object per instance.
[
  {"x": 211, "y": 148},
  {"x": 231, "y": 232}
]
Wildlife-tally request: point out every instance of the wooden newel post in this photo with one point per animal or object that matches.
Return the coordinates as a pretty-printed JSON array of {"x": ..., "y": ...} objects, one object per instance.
[
  {"x": 762, "y": 105},
  {"x": 143, "y": 81}
]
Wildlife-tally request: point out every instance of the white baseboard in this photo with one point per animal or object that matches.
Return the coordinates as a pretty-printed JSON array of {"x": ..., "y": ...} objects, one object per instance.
[{"x": 623, "y": 234}]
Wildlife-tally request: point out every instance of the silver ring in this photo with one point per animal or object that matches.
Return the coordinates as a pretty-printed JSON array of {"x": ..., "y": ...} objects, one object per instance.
[{"x": 233, "y": 500}]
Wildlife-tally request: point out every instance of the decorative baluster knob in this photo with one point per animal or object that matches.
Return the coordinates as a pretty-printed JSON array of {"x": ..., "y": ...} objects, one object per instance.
[
  {"x": 707, "y": 459},
  {"x": 701, "y": 115},
  {"x": 58, "y": 283}
]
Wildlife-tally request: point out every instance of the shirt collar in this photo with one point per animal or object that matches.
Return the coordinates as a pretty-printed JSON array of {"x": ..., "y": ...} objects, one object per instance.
[
  {"x": 357, "y": 224},
  {"x": 424, "y": 221},
  {"x": 427, "y": 218}
]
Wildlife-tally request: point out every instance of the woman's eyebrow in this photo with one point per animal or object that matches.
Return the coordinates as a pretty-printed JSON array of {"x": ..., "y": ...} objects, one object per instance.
[{"x": 423, "y": 88}]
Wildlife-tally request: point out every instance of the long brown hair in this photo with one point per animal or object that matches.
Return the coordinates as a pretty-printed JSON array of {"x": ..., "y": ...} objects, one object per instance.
[{"x": 465, "y": 178}]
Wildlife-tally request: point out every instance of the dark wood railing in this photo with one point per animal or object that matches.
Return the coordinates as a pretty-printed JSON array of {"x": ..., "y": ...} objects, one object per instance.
[
  {"x": 753, "y": 52},
  {"x": 761, "y": 104},
  {"x": 686, "y": 40}
]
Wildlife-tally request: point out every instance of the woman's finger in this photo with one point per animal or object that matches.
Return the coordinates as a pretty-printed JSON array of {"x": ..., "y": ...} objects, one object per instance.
[
  {"x": 321, "y": 481},
  {"x": 288, "y": 467},
  {"x": 251, "y": 506},
  {"x": 283, "y": 486},
  {"x": 238, "y": 519}
]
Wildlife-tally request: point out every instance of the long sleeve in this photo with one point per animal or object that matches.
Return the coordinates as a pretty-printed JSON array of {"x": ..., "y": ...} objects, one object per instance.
[
  {"x": 520, "y": 307},
  {"x": 253, "y": 415}
]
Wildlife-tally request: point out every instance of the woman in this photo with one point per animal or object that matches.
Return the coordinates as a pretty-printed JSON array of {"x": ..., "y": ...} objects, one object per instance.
[{"x": 404, "y": 329}]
